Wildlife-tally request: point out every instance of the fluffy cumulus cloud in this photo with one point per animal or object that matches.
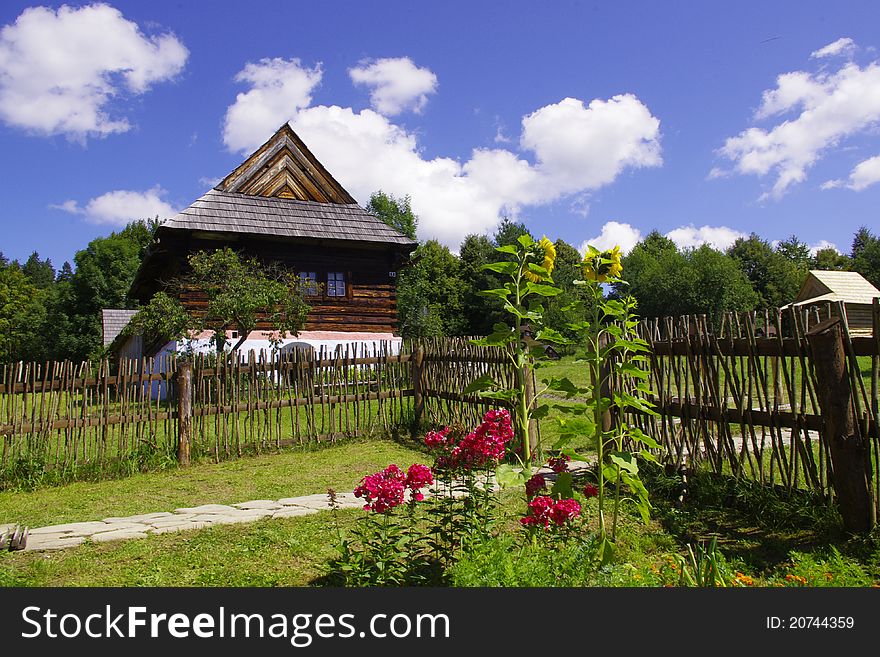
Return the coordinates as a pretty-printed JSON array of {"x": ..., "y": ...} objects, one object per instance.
[
  {"x": 567, "y": 148},
  {"x": 615, "y": 234},
  {"x": 718, "y": 237},
  {"x": 60, "y": 69},
  {"x": 121, "y": 206},
  {"x": 278, "y": 89},
  {"x": 815, "y": 112},
  {"x": 396, "y": 84}
]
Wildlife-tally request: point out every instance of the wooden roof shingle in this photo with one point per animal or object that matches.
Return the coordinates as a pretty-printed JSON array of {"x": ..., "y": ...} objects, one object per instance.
[
  {"x": 847, "y": 286},
  {"x": 228, "y": 212},
  {"x": 113, "y": 321}
]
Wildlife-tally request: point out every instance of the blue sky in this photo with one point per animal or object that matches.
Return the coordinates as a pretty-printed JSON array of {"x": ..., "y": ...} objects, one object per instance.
[{"x": 588, "y": 121}]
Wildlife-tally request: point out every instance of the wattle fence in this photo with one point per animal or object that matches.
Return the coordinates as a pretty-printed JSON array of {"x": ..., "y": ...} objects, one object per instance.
[{"x": 741, "y": 398}]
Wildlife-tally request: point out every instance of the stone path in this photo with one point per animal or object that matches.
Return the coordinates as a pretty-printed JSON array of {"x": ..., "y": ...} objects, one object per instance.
[{"x": 58, "y": 537}]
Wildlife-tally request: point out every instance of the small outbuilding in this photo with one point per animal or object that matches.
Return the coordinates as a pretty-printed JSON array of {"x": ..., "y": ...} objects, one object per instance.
[{"x": 850, "y": 287}]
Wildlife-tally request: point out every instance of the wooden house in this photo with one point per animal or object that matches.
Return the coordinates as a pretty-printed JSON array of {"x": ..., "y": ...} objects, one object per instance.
[
  {"x": 282, "y": 206},
  {"x": 850, "y": 287}
]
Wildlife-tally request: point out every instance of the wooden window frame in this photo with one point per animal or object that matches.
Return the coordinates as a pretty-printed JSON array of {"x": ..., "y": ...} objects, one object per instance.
[{"x": 346, "y": 286}]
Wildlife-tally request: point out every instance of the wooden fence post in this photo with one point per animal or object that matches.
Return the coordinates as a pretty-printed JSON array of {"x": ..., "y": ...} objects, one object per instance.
[
  {"x": 849, "y": 450},
  {"x": 418, "y": 369},
  {"x": 184, "y": 411}
]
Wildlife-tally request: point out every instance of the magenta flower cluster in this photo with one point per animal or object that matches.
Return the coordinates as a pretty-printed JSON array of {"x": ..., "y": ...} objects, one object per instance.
[
  {"x": 543, "y": 510},
  {"x": 533, "y": 485},
  {"x": 386, "y": 489},
  {"x": 559, "y": 464},
  {"x": 483, "y": 447}
]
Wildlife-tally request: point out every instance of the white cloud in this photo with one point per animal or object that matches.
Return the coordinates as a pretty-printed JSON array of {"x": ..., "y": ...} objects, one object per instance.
[
  {"x": 865, "y": 174},
  {"x": 817, "y": 111},
  {"x": 207, "y": 181},
  {"x": 843, "y": 46},
  {"x": 822, "y": 244},
  {"x": 718, "y": 237},
  {"x": 278, "y": 89},
  {"x": 581, "y": 147},
  {"x": 614, "y": 234},
  {"x": 59, "y": 70},
  {"x": 396, "y": 84},
  {"x": 121, "y": 206},
  {"x": 576, "y": 148}
]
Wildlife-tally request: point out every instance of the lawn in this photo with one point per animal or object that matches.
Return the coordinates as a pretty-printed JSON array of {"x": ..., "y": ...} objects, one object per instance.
[
  {"x": 292, "y": 472},
  {"x": 764, "y": 540}
]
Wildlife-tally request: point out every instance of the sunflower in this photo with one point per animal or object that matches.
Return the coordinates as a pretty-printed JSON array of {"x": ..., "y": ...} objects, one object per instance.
[
  {"x": 602, "y": 266},
  {"x": 544, "y": 253}
]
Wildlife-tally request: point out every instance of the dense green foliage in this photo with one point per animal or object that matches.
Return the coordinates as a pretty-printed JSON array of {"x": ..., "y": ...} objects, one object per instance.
[{"x": 49, "y": 314}]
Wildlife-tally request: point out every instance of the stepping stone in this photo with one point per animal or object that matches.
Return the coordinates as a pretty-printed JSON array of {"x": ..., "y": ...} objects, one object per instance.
[
  {"x": 181, "y": 527},
  {"x": 207, "y": 508},
  {"x": 52, "y": 542},
  {"x": 174, "y": 519},
  {"x": 118, "y": 534},
  {"x": 259, "y": 504},
  {"x": 293, "y": 512},
  {"x": 239, "y": 518},
  {"x": 78, "y": 528},
  {"x": 144, "y": 517}
]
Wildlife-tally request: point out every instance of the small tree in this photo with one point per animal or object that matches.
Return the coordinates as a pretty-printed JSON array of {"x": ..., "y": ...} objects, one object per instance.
[{"x": 241, "y": 293}]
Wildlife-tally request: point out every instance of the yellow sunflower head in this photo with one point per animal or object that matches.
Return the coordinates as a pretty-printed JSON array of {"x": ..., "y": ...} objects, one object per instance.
[
  {"x": 544, "y": 255},
  {"x": 602, "y": 266}
]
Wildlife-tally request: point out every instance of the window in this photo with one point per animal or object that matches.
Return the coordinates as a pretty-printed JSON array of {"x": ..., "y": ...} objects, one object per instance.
[
  {"x": 308, "y": 282},
  {"x": 335, "y": 284}
]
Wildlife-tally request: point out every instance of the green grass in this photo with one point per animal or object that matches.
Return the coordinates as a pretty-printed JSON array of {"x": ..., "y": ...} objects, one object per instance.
[
  {"x": 765, "y": 538},
  {"x": 292, "y": 472},
  {"x": 284, "y": 552}
]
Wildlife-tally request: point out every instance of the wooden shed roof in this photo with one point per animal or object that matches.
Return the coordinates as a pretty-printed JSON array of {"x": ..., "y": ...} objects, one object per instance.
[
  {"x": 226, "y": 212},
  {"x": 846, "y": 286},
  {"x": 113, "y": 321}
]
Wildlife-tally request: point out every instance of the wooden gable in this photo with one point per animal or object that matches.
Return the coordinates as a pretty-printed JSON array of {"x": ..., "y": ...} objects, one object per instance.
[{"x": 284, "y": 167}]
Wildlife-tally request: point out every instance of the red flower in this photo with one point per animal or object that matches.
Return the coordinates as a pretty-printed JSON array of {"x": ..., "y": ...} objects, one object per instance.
[
  {"x": 382, "y": 491},
  {"x": 533, "y": 485},
  {"x": 590, "y": 490},
  {"x": 418, "y": 476},
  {"x": 483, "y": 447},
  {"x": 539, "y": 511},
  {"x": 565, "y": 510},
  {"x": 559, "y": 464},
  {"x": 434, "y": 439}
]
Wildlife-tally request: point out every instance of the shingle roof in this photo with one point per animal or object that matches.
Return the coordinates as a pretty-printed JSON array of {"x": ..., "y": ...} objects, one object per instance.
[
  {"x": 113, "y": 321},
  {"x": 847, "y": 286},
  {"x": 226, "y": 212}
]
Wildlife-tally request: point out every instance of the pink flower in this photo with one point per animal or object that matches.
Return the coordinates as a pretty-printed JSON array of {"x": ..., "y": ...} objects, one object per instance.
[
  {"x": 565, "y": 510},
  {"x": 383, "y": 490},
  {"x": 434, "y": 439},
  {"x": 533, "y": 485},
  {"x": 484, "y": 446},
  {"x": 418, "y": 476},
  {"x": 539, "y": 511},
  {"x": 559, "y": 464},
  {"x": 590, "y": 490}
]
